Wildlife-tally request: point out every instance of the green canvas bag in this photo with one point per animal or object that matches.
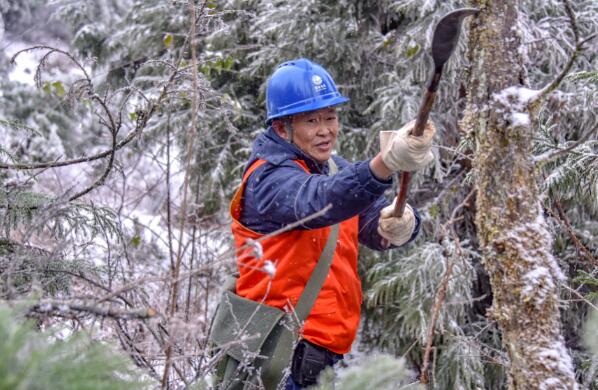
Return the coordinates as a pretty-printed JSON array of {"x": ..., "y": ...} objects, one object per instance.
[{"x": 258, "y": 340}]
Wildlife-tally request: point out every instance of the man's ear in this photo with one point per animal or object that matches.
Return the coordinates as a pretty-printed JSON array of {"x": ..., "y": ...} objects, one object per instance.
[{"x": 279, "y": 128}]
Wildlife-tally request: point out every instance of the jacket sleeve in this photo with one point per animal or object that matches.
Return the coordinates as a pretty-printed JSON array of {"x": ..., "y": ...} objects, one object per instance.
[
  {"x": 368, "y": 226},
  {"x": 277, "y": 195}
]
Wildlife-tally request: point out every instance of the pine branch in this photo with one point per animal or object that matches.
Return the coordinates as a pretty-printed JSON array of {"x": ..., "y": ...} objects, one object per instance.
[
  {"x": 554, "y": 84},
  {"x": 552, "y": 155}
]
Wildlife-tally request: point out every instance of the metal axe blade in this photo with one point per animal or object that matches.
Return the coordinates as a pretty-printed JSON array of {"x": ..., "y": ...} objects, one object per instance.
[{"x": 444, "y": 42}]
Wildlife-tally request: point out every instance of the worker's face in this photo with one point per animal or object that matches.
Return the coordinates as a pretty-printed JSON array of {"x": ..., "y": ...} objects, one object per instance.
[{"x": 315, "y": 132}]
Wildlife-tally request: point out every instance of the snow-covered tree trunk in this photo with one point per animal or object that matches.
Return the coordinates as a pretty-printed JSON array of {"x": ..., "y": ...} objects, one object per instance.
[{"x": 511, "y": 227}]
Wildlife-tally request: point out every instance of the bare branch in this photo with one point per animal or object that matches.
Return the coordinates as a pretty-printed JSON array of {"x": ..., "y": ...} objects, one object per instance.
[
  {"x": 197, "y": 271},
  {"x": 51, "y": 50},
  {"x": 65, "y": 308},
  {"x": 190, "y": 141}
]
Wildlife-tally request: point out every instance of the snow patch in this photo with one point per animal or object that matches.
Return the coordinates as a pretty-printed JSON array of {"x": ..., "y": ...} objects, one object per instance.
[
  {"x": 516, "y": 96},
  {"x": 516, "y": 100},
  {"x": 557, "y": 359},
  {"x": 538, "y": 284},
  {"x": 520, "y": 119},
  {"x": 256, "y": 246}
]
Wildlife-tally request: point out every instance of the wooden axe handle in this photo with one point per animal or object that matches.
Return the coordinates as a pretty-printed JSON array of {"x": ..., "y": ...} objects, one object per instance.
[{"x": 418, "y": 130}]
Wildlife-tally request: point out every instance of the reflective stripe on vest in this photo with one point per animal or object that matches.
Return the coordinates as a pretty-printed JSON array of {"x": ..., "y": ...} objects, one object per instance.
[{"x": 334, "y": 319}]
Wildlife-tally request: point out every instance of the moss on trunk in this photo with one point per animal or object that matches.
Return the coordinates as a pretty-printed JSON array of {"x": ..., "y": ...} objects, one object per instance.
[{"x": 511, "y": 227}]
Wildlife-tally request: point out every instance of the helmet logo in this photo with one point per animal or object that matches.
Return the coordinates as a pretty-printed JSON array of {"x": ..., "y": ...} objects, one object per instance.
[{"x": 318, "y": 83}]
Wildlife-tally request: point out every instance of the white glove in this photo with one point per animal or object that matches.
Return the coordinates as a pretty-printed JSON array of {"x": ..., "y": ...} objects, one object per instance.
[
  {"x": 396, "y": 230},
  {"x": 404, "y": 152}
]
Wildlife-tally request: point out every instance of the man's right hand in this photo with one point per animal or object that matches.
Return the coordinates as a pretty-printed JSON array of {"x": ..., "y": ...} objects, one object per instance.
[{"x": 405, "y": 152}]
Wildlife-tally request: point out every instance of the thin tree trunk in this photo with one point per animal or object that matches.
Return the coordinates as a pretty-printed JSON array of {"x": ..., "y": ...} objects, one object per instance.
[{"x": 511, "y": 227}]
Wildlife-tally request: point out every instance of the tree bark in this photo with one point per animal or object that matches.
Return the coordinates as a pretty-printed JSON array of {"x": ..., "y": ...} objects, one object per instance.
[{"x": 513, "y": 234}]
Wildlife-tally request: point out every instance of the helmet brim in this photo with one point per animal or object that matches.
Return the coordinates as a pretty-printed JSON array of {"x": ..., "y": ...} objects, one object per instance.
[{"x": 306, "y": 106}]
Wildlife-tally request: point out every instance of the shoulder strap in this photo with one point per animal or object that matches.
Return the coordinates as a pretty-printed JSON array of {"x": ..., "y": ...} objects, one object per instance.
[{"x": 320, "y": 272}]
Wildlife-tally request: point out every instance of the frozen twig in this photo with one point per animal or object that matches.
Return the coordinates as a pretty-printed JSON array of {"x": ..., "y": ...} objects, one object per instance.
[
  {"x": 66, "y": 308},
  {"x": 190, "y": 141},
  {"x": 580, "y": 297},
  {"x": 269, "y": 268},
  {"x": 204, "y": 269},
  {"x": 562, "y": 218},
  {"x": 56, "y": 164},
  {"x": 441, "y": 292}
]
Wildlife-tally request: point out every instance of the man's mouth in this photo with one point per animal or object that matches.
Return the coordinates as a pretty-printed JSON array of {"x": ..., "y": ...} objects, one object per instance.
[{"x": 324, "y": 146}]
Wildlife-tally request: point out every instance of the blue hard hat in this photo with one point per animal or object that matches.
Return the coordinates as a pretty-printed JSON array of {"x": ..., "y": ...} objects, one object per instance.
[{"x": 300, "y": 86}]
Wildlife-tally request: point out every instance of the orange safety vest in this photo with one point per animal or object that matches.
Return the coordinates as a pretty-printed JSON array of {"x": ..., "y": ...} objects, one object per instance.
[{"x": 334, "y": 318}]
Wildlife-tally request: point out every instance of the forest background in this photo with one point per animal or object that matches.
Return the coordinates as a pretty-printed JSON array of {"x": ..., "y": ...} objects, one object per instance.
[{"x": 125, "y": 126}]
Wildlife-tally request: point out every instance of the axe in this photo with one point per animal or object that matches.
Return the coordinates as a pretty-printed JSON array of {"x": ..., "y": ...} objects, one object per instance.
[{"x": 444, "y": 42}]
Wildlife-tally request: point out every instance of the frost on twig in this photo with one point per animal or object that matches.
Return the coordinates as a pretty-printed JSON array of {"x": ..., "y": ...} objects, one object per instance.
[
  {"x": 257, "y": 250},
  {"x": 269, "y": 268}
]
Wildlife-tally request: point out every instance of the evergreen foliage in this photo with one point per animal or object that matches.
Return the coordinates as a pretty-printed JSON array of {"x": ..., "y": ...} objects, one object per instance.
[
  {"x": 380, "y": 372},
  {"x": 30, "y": 360}
]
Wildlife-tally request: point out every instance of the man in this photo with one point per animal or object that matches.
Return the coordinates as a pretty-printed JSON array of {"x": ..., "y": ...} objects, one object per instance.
[{"x": 286, "y": 180}]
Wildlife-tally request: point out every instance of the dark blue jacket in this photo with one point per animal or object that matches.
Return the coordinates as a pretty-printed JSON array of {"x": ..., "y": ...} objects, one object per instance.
[{"x": 280, "y": 192}]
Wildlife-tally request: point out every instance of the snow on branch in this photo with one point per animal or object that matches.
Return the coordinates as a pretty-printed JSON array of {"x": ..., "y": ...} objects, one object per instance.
[
  {"x": 518, "y": 100},
  {"x": 73, "y": 308},
  {"x": 554, "y": 154},
  {"x": 554, "y": 84}
]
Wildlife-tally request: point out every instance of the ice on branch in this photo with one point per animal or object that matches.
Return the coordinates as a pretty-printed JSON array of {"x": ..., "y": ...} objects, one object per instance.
[
  {"x": 269, "y": 268},
  {"x": 257, "y": 249}
]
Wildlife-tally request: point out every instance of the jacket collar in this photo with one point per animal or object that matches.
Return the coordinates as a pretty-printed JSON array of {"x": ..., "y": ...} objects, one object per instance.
[{"x": 271, "y": 147}]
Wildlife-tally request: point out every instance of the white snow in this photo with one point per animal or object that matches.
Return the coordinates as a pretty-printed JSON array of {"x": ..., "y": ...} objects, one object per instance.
[
  {"x": 538, "y": 284},
  {"x": 520, "y": 119},
  {"x": 551, "y": 383},
  {"x": 557, "y": 359},
  {"x": 516, "y": 100},
  {"x": 516, "y": 96}
]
